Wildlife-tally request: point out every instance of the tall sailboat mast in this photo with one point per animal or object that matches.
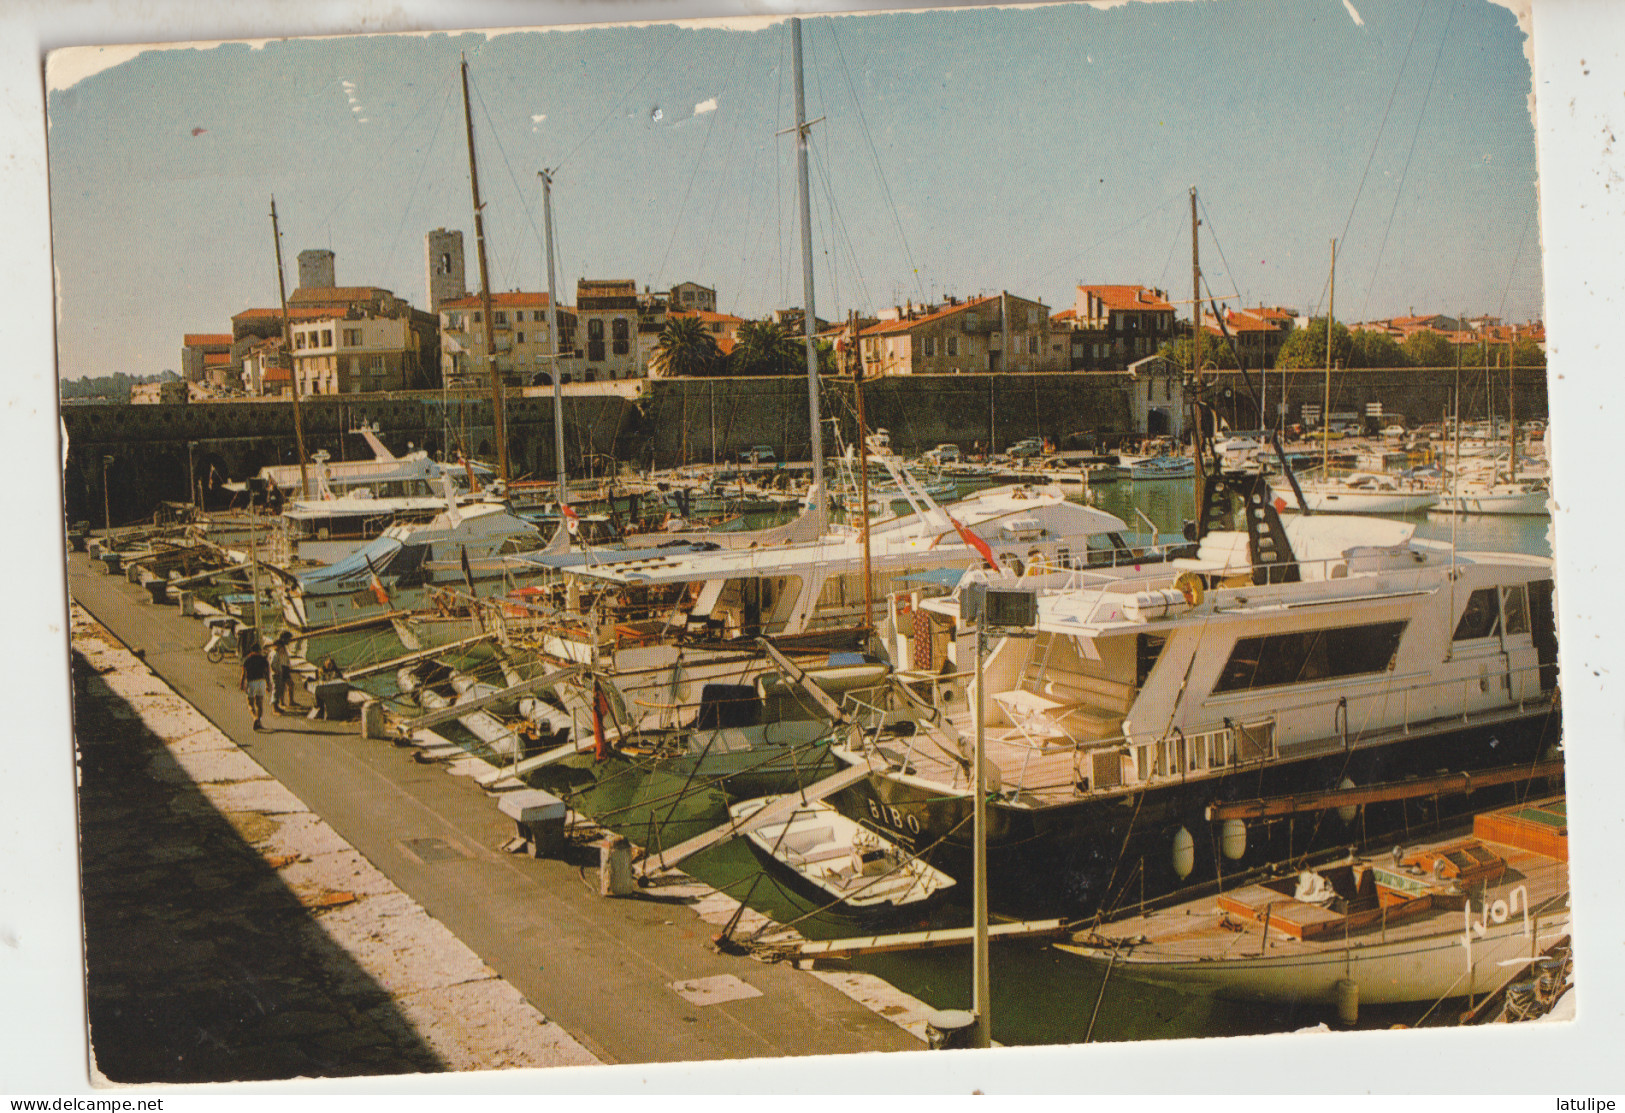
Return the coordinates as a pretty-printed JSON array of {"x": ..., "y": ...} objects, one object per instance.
[
  {"x": 499, "y": 432},
  {"x": 287, "y": 352},
  {"x": 1326, "y": 409},
  {"x": 553, "y": 342},
  {"x": 810, "y": 316},
  {"x": 1196, "y": 367}
]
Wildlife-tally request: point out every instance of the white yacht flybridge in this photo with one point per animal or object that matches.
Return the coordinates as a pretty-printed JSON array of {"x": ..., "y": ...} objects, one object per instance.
[
  {"x": 1298, "y": 656},
  {"x": 397, "y": 568},
  {"x": 668, "y": 621},
  {"x": 356, "y": 498}
]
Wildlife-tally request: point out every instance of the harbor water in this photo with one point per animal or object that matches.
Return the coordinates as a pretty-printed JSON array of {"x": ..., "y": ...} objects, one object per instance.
[{"x": 1041, "y": 995}]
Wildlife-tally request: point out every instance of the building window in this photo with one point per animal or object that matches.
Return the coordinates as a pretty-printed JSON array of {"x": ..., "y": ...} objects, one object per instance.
[
  {"x": 1032, "y": 318},
  {"x": 327, "y": 338},
  {"x": 930, "y": 345},
  {"x": 476, "y": 316},
  {"x": 595, "y": 329},
  {"x": 500, "y": 317},
  {"x": 1032, "y": 345},
  {"x": 953, "y": 345},
  {"x": 454, "y": 321},
  {"x": 521, "y": 338},
  {"x": 299, "y": 340},
  {"x": 352, "y": 338}
]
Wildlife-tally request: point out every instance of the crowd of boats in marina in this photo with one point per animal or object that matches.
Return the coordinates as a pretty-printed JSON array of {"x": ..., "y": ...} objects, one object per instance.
[{"x": 1174, "y": 717}]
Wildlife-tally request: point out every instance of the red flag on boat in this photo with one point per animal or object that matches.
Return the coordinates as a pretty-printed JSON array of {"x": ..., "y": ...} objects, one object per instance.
[
  {"x": 571, "y": 522},
  {"x": 976, "y": 543},
  {"x": 378, "y": 591}
]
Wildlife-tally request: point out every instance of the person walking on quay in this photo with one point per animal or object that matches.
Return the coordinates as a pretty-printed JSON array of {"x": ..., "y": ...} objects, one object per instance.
[
  {"x": 281, "y": 673},
  {"x": 256, "y": 673}
]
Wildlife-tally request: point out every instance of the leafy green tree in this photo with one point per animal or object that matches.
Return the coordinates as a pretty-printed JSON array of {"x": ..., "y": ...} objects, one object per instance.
[
  {"x": 763, "y": 348},
  {"x": 1427, "y": 348},
  {"x": 1306, "y": 347},
  {"x": 1216, "y": 352},
  {"x": 1368, "y": 348},
  {"x": 686, "y": 348},
  {"x": 1526, "y": 353}
]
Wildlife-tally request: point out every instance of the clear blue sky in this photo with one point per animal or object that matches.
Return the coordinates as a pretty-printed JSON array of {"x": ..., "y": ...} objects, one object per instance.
[{"x": 963, "y": 151}]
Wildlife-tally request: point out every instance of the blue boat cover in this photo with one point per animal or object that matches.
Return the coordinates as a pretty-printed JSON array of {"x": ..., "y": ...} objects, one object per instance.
[
  {"x": 380, "y": 550},
  {"x": 942, "y": 577}
]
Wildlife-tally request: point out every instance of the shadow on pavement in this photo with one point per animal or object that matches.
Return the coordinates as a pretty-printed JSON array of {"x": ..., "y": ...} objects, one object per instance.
[{"x": 202, "y": 964}]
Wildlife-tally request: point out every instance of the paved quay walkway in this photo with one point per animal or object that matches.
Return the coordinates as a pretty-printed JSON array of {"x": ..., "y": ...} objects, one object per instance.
[
  {"x": 231, "y": 935},
  {"x": 618, "y": 975}
]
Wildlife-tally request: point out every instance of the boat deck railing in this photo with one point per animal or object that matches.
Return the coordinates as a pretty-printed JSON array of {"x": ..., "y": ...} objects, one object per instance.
[{"x": 1057, "y": 762}]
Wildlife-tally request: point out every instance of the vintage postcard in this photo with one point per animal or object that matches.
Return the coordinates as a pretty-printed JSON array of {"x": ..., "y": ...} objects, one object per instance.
[{"x": 813, "y": 534}]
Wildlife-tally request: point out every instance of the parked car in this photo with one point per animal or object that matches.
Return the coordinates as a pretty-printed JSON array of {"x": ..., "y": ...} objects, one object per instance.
[
  {"x": 943, "y": 454},
  {"x": 760, "y": 454},
  {"x": 1025, "y": 450}
]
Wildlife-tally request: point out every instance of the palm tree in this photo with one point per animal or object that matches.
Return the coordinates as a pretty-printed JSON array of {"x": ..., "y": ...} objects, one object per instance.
[
  {"x": 763, "y": 348},
  {"x": 686, "y": 348}
]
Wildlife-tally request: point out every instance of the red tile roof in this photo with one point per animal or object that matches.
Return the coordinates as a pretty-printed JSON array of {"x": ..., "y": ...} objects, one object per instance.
[
  {"x": 1270, "y": 313},
  {"x": 1246, "y": 322},
  {"x": 1127, "y": 297},
  {"x": 1065, "y": 315},
  {"x": 512, "y": 299},
  {"x": 295, "y": 313},
  {"x": 207, "y": 340},
  {"x": 606, "y": 288},
  {"x": 707, "y": 316},
  {"x": 277, "y": 375},
  {"x": 906, "y": 324},
  {"x": 335, "y": 294}
]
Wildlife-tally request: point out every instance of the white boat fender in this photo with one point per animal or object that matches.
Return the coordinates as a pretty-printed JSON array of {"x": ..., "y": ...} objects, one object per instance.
[
  {"x": 1184, "y": 853},
  {"x": 1346, "y": 993},
  {"x": 1348, "y": 811},
  {"x": 1233, "y": 839},
  {"x": 1157, "y": 603}
]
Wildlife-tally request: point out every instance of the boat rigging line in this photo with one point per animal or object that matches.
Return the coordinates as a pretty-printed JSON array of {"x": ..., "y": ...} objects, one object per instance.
[
  {"x": 874, "y": 158},
  {"x": 391, "y": 149},
  {"x": 699, "y": 161},
  {"x": 1399, "y": 190},
  {"x": 1377, "y": 139}
]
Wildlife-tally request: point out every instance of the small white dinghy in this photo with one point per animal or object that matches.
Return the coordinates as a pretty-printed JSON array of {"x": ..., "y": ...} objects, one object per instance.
[{"x": 842, "y": 858}]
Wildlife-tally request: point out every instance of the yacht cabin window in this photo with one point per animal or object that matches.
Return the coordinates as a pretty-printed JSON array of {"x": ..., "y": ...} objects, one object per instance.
[
  {"x": 1305, "y": 656},
  {"x": 1481, "y": 618},
  {"x": 1515, "y": 609}
]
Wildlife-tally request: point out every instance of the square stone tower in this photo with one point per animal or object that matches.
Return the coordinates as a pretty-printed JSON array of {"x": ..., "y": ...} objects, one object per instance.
[{"x": 443, "y": 273}]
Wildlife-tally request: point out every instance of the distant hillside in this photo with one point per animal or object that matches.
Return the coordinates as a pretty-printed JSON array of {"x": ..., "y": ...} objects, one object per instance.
[{"x": 110, "y": 388}]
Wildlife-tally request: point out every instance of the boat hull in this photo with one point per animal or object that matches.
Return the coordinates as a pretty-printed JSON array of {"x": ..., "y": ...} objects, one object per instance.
[
  {"x": 1520, "y": 503},
  {"x": 1412, "y": 970},
  {"x": 1345, "y": 501},
  {"x": 1111, "y": 850}
]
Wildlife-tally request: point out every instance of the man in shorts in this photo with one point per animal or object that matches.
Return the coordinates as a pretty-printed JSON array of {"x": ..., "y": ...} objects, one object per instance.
[
  {"x": 256, "y": 681},
  {"x": 281, "y": 673}
]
